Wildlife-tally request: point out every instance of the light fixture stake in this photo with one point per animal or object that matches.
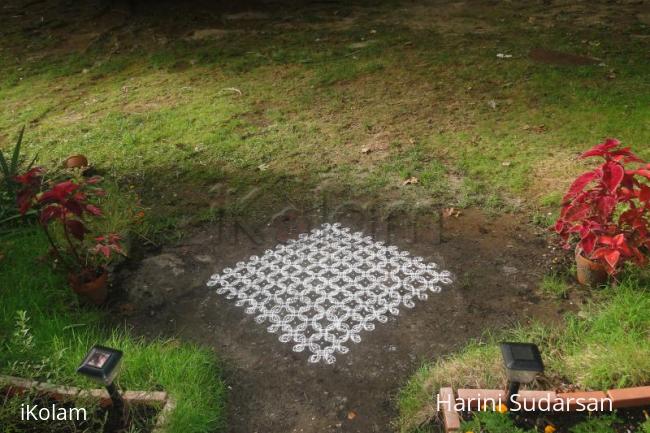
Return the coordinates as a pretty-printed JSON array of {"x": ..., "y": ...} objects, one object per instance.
[{"x": 102, "y": 365}]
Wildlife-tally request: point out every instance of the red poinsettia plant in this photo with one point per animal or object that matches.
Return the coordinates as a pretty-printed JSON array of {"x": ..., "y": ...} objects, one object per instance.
[
  {"x": 607, "y": 209},
  {"x": 68, "y": 204}
]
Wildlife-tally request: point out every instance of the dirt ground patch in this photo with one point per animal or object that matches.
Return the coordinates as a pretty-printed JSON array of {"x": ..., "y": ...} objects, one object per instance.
[
  {"x": 553, "y": 57},
  {"x": 496, "y": 268}
]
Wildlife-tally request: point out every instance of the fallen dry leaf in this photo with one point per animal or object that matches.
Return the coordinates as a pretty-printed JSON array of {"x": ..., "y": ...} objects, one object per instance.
[
  {"x": 127, "y": 309},
  {"x": 174, "y": 342},
  {"x": 410, "y": 181},
  {"x": 451, "y": 211},
  {"x": 352, "y": 415},
  {"x": 366, "y": 150},
  {"x": 539, "y": 129}
]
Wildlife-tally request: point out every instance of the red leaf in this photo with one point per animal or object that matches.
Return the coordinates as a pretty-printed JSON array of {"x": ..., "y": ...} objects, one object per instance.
[
  {"x": 621, "y": 245},
  {"x": 613, "y": 175},
  {"x": 606, "y": 205},
  {"x": 32, "y": 177},
  {"x": 50, "y": 212},
  {"x": 76, "y": 228},
  {"x": 619, "y": 240},
  {"x": 587, "y": 243},
  {"x": 24, "y": 200},
  {"x": 610, "y": 255},
  {"x": 58, "y": 192},
  {"x": 644, "y": 194},
  {"x": 117, "y": 248},
  {"x": 577, "y": 212},
  {"x": 630, "y": 215},
  {"x": 626, "y": 155},
  {"x": 93, "y": 210},
  {"x": 601, "y": 149},
  {"x": 579, "y": 184},
  {"x": 606, "y": 240},
  {"x": 73, "y": 207},
  {"x": 643, "y": 172}
]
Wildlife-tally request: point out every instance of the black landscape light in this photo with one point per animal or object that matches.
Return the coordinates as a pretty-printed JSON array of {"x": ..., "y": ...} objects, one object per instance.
[
  {"x": 102, "y": 365},
  {"x": 523, "y": 362}
]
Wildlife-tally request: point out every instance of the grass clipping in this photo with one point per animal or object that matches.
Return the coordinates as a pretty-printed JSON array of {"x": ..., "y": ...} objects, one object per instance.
[{"x": 604, "y": 345}]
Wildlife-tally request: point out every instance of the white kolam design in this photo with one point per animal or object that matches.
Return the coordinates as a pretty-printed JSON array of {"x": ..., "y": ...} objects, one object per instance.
[{"x": 320, "y": 291}]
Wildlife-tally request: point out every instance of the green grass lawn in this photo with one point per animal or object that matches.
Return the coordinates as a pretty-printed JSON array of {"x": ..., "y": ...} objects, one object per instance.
[
  {"x": 603, "y": 346},
  {"x": 45, "y": 333},
  {"x": 297, "y": 104}
]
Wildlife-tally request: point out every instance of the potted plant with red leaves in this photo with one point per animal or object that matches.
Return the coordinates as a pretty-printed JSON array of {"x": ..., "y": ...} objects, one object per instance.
[
  {"x": 606, "y": 211},
  {"x": 63, "y": 209}
]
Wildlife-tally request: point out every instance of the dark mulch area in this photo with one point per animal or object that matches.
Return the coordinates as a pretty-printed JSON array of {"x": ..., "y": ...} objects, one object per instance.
[{"x": 273, "y": 388}]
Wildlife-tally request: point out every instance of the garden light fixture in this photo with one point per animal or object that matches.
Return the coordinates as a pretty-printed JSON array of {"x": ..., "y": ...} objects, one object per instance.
[
  {"x": 522, "y": 362},
  {"x": 102, "y": 365}
]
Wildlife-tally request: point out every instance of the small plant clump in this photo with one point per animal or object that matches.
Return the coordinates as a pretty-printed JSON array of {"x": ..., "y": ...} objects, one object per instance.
[
  {"x": 65, "y": 206},
  {"x": 10, "y": 167},
  {"x": 607, "y": 209},
  {"x": 554, "y": 285},
  {"x": 500, "y": 422}
]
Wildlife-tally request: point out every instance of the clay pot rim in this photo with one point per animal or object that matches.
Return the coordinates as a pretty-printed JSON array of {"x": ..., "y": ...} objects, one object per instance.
[
  {"x": 589, "y": 272},
  {"x": 94, "y": 291},
  {"x": 79, "y": 283},
  {"x": 80, "y": 156}
]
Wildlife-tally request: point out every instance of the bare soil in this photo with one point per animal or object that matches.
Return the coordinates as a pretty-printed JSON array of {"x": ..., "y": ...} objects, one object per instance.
[
  {"x": 497, "y": 264},
  {"x": 559, "y": 58}
]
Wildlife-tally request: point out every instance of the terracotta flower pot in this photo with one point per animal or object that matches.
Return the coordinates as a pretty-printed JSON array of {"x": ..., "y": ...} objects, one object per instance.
[
  {"x": 93, "y": 290},
  {"x": 76, "y": 161},
  {"x": 590, "y": 273}
]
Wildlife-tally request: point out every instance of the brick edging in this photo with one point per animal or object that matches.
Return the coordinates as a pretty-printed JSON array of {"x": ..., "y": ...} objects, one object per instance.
[
  {"x": 18, "y": 385},
  {"x": 451, "y": 418}
]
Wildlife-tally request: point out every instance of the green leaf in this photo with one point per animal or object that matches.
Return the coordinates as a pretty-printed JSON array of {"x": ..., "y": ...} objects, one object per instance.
[
  {"x": 3, "y": 165},
  {"x": 16, "y": 156},
  {"x": 5, "y": 171}
]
